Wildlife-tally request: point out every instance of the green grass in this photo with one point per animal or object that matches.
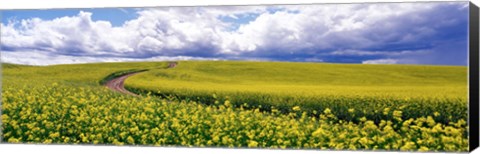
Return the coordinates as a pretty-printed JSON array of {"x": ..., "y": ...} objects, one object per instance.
[{"x": 368, "y": 89}]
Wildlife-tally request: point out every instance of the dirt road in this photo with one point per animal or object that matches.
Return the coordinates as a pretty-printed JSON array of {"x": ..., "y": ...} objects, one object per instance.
[{"x": 117, "y": 83}]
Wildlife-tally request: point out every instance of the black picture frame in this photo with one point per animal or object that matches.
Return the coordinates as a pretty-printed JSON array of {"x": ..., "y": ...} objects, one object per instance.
[{"x": 473, "y": 77}]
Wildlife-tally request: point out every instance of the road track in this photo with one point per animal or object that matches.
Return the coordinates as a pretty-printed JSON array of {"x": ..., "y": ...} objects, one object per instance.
[{"x": 117, "y": 84}]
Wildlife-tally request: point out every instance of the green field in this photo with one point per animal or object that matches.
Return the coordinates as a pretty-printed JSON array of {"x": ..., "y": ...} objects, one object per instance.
[{"x": 240, "y": 104}]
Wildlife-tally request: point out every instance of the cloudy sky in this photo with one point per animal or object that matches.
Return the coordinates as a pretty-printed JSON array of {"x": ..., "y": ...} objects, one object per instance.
[{"x": 370, "y": 33}]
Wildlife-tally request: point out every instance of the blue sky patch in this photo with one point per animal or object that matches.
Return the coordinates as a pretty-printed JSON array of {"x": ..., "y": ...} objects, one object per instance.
[{"x": 116, "y": 16}]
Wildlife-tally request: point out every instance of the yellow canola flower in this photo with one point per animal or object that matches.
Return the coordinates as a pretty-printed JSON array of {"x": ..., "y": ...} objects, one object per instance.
[
  {"x": 296, "y": 108},
  {"x": 79, "y": 114}
]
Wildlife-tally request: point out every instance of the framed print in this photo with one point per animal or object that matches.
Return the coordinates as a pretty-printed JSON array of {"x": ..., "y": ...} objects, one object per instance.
[{"x": 358, "y": 76}]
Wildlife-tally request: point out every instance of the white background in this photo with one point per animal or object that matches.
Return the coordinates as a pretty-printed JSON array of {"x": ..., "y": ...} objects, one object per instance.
[{"x": 83, "y": 149}]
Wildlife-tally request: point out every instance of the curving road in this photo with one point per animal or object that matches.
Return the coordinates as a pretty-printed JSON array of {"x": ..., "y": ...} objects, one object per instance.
[{"x": 117, "y": 84}]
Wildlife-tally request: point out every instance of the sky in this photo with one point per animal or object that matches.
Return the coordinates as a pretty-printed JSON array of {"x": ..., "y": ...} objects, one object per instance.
[{"x": 426, "y": 33}]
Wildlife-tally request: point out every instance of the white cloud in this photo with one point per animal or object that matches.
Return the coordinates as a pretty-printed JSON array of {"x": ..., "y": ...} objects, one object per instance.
[
  {"x": 346, "y": 29},
  {"x": 45, "y": 58},
  {"x": 381, "y": 61},
  {"x": 326, "y": 27},
  {"x": 376, "y": 53}
]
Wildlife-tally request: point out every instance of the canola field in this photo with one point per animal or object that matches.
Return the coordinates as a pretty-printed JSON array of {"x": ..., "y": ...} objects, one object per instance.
[
  {"x": 365, "y": 90},
  {"x": 421, "y": 108}
]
